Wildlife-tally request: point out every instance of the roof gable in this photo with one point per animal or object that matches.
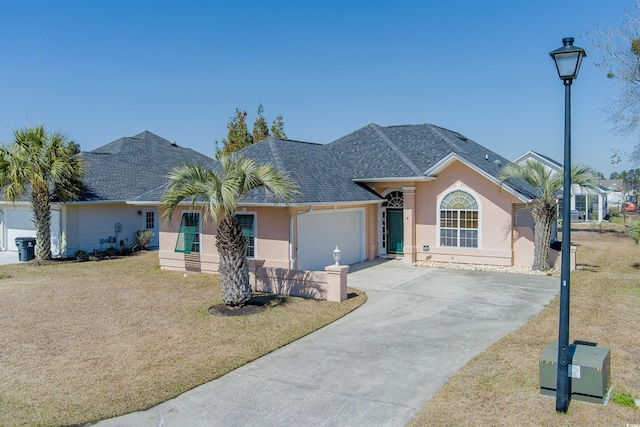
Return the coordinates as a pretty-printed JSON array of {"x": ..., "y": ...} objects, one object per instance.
[
  {"x": 130, "y": 166},
  {"x": 414, "y": 152}
]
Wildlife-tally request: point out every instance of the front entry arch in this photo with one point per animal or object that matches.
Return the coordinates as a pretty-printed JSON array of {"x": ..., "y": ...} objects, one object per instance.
[{"x": 392, "y": 224}]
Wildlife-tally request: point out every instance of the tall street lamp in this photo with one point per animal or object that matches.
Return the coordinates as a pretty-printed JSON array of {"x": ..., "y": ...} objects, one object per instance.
[{"x": 568, "y": 59}]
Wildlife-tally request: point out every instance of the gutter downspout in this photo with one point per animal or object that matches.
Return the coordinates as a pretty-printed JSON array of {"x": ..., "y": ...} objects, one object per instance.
[{"x": 297, "y": 214}]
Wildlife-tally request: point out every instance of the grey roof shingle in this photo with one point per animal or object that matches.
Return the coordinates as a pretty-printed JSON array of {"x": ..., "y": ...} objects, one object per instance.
[
  {"x": 410, "y": 151},
  {"x": 131, "y": 166},
  {"x": 319, "y": 178}
]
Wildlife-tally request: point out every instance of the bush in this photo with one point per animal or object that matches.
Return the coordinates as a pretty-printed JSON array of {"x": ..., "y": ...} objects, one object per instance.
[
  {"x": 111, "y": 252},
  {"x": 82, "y": 256},
  {"x": 143, "y": 238}
]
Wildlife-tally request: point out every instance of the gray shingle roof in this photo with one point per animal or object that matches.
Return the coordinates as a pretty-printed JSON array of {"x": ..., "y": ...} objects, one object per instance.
[
  {"x": 131, "y": 166},
  {"x": 319, "y": 178},
  {"x": 410, "y": 151}
]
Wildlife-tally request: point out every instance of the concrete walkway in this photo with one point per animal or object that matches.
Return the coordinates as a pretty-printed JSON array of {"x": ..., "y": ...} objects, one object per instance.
[
  {"x": 376, "y": 366},
  {"x": 9, "y": 257}
]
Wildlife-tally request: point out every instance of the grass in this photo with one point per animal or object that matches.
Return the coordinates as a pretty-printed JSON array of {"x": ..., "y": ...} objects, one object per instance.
[
  {"x": 92, "y": 340},
  {"x": 500, "y": 386}
]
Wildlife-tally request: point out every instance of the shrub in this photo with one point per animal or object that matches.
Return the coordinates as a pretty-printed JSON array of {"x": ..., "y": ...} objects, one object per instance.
[
  {"x": 111, "y": 252},
  {"x": 82, "y": 256},
  {"x": 143, "y": 238}
]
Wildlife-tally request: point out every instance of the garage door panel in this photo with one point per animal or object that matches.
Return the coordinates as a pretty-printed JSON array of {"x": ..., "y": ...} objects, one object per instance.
[{"x": 319, "y": 234}]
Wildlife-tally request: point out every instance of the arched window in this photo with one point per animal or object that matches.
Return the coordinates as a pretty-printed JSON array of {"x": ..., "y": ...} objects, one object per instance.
[
  {"x": 394, "y": 199},
  {"x": 459, "y": 220}
]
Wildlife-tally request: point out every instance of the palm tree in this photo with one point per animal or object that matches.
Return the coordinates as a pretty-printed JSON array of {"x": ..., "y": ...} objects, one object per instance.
[
  {"x": 50, "y": 167},
  {"x": 634, "y": 230},
  {"x": 220, "y": 192},
  {"x": 546, "y": 183}
]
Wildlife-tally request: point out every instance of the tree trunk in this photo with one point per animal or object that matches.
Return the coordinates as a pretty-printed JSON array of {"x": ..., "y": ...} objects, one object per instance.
[
  {"x": 543, "y": 217},
  {"x": 42, "y": 222},
  {"x": 233, "y": 267}
]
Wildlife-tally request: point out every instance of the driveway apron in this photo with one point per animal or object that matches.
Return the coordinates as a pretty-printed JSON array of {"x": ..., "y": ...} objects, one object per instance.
[{"x": 376, "y": 366}]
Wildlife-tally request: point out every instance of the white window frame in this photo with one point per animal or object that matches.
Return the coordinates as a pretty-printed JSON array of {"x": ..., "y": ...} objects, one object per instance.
[{"x": 438, "y": 217}]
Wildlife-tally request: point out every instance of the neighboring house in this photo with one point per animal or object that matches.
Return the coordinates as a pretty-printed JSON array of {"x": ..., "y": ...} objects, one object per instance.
[
  {"x": 615, "y": 192},
  {"x": 108, "y": 212},
  {"x": 587, "y": 204},
  {"x": 419, "y": 192}
]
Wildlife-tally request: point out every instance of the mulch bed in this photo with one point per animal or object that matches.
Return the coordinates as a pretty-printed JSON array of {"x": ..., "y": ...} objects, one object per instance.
[{"x": 245, "y": 310}]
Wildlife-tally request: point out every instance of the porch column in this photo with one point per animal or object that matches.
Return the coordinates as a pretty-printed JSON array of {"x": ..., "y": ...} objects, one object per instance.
[{"x": 409, "y": 225}]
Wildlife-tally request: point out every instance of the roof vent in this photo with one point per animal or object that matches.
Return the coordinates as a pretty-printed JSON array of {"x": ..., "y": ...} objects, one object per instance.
[
  {"x": 462, "y": 137},
  {"x": 497, "y": 162},
  {"x": 486, "y": 157},
  {"x": 173, "y": 143}
]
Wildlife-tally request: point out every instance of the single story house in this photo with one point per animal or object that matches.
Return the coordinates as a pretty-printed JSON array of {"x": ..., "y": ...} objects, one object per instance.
[
  {"x": 418, "y": 192},
  {"x": 589, "y": 204},
  {"x": 615, "y": 192},
  {"x": 108, "y": 212}
]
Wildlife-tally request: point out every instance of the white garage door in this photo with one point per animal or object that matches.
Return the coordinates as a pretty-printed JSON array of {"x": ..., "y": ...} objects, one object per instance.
[
  {"x": 19, "y": 223},
  {"x": 320, "y": 232}
]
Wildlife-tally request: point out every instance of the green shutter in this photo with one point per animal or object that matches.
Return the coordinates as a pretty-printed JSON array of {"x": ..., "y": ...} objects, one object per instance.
[
  {"x": 246, "y": 224},
  {"x": 187, "y": 232}
]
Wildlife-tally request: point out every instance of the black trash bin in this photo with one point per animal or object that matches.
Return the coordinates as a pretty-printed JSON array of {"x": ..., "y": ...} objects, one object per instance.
[{"x": 26, "y": 248}]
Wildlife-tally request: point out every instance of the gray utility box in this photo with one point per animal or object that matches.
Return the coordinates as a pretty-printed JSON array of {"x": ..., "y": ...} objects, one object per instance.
[{"x": 588, "y": 369}]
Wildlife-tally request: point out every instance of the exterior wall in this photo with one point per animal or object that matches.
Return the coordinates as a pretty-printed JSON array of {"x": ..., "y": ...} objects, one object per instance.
[
  {"x": 421, "y": 218},
  {"x": 87, "y": 224},
  {"x": 273, "y": 228},
  {"x": 495, "y": 216},
  {"x": 329, "y": 285}
]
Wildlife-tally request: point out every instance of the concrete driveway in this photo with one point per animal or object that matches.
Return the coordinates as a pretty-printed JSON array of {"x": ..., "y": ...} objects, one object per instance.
[
  {"x": 376, "y": 366},
  {"x": 9, "y": 257}
]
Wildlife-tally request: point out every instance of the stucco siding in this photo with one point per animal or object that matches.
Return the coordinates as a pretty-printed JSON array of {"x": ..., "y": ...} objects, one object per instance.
[{"x": 495, "y": 219}]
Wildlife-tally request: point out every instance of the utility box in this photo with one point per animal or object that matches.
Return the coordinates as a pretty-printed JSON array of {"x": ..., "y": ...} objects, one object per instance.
[{"x": 589, "y": 371}]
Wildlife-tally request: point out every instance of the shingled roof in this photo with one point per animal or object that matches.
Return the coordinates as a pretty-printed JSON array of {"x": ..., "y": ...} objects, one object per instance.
[
  {"x": 413, "y": 151},
  {"x": 336, "y": 172},
  {"x": 131, "y": 166}
]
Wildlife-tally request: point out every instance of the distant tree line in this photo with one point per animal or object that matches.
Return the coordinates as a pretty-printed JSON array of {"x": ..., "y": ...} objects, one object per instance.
[
  {"x": 630, "y": 179},
  {"x": 239, "y": 137}
]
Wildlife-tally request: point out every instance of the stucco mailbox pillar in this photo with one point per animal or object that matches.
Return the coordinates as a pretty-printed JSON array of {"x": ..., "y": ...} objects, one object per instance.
[{"x": 336, "y": 282}]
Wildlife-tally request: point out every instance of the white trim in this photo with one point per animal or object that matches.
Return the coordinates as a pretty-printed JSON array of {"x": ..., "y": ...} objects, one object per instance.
[
  {"x": 156, "y": 225},
  {"x": 396, "y": 179},
  {"x": 458, "y": 187},
  {"x": 382, "y": 249}
]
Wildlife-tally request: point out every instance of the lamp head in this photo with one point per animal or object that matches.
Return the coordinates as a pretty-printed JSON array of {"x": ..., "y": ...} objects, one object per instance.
[
  {"x": 568, "y": 59},
  {"x": 336, "y": 255}
]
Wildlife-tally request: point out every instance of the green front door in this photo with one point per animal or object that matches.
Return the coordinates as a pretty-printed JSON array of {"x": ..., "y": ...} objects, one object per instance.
[{"x": 395, "y": 231}]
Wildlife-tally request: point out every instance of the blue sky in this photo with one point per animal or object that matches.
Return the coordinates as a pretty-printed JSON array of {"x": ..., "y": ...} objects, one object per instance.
[{"x": 100, "y": 70}]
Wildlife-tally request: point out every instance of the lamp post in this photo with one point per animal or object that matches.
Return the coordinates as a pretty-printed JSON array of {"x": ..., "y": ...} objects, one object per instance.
[{"x": 567, "y": 59}]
